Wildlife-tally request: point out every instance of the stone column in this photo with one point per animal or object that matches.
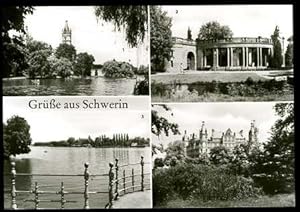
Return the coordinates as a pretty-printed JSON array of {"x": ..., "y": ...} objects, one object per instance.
[
  {"x": 231, "y": 56},
  {"x": 217, "y": 57},
  {"x": 204, "y": 61},
  {"x": 257, "y": 57},
  {"x": 247, "y": 55},
  {"x": 243, "y": 56},
  {"x": 228, "y": 58},
  {"x": 260, "y": 57}
]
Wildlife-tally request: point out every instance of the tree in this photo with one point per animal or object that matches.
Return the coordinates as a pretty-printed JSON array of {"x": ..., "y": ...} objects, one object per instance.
[
  {"x": 16, "y": 136},
  {"x": 160, "y": 38},
  {"x": 12, "y": 54},
  {"x": 83, "y": 64},
  {"x": 220, "y": 155},
  {"x": 160, "y": 124},
  {"x": 60, "y": 67},
  {"x": 131, "y": 18},
  {"x": 276, "y": 59},
  {"x": 115, "y": 69},
  {"x": 66, "y": 50},
  {"x": 214, "y": 30},
  {"x": 274, "y": 168},
  {"x": 289, "y": 54},
  {"x": 39, "y": 65},
  {"x": 175, "y": 153}
]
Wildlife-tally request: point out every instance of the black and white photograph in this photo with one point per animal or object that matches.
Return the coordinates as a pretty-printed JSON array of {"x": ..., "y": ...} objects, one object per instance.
[
  {"x": 75, "y": 50},
  {"x": 76, "y": 157},
  {"x": 220, "y": 155},
  {"x": 209, "y": 53}
]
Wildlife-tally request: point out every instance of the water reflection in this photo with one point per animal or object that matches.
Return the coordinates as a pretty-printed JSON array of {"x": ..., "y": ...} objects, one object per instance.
[
  {"x": 64, "y": 160},
  {"x": 79, "y": 86}
]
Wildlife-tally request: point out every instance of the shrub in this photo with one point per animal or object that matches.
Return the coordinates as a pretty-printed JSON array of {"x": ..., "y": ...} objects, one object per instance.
[
  {"x": 115, "y": 69},
  {"x": 202, "y": 182}
]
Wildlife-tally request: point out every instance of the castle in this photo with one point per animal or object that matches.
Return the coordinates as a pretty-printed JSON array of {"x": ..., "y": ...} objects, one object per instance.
[{"x": 195, "y": 145}]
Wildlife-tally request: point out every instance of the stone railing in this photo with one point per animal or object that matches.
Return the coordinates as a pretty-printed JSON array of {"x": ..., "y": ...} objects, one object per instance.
[
  {"x": 184, "y": 41},
  {"x": 236, "y": 40},
  {"x": 117, "y": 185}
]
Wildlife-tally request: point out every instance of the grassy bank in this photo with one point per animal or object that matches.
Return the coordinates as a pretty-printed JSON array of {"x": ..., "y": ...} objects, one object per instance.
[
  {"x": 211, "y": 97},
  {"x": 279, "y": 200},
  {"x": 206, "y": 77}
]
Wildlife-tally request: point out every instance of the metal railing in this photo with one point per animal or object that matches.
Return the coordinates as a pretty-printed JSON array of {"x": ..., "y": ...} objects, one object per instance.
[{"x": 114, "y": 181}]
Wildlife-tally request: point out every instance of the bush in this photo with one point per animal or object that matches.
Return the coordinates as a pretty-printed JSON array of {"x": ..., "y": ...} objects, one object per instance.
[
  {"x": 142, "y": 87},
  {"x": 202, "y": 182},
  {"x": 115, "y": 69}
]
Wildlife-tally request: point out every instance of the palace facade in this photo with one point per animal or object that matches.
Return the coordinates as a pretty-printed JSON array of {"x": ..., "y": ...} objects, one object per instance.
[
  {"x": 195, "y": 145},
  {"x": 237, "y": 53}
]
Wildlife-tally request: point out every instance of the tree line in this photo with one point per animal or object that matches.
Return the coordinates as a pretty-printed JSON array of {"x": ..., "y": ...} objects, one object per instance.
[{"x": 118, "y": 140}]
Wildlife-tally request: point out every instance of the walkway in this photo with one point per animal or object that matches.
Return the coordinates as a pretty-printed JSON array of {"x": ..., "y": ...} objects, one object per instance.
[{"x": 141, "y": 199}]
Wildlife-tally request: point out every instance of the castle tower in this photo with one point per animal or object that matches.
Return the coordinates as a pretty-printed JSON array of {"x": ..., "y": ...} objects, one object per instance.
[
  {"x": 67, "y": 34},
  {"x": 253, "y": 132}
]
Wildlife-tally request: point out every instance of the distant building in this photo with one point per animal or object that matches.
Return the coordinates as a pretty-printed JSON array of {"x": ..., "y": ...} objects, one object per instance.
[
  {"x": 203, "y": 143},
  {"x": 67, "y": 34},
  {"x": 238, "y": 53}
]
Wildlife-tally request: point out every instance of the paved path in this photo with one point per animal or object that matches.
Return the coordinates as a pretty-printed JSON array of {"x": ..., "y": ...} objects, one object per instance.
[{"x": 135, "y": 200}]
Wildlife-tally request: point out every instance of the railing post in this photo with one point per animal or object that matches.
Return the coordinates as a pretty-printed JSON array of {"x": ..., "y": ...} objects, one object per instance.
[
  {"x": 142, "y": 173},
  {"x": 13, "y": 186},
  {"x": 117, "y": 180},
  {"x": 62, "y": 195},
  {"x": 111, "y": 179},
  {"x": 132, "y": 177},
  {"x": 124, "y": 181},
  {"x": 86, "y": 184},
  {"x": 36, "y": 192}
]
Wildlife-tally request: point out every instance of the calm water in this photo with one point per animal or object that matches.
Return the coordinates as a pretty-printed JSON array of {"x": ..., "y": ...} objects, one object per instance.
[
  {"x": 66, "y": 160},
  {"x": 79, "y": 86}
]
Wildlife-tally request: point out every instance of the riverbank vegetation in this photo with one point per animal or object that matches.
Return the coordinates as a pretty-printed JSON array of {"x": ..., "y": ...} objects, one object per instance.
[
  {"x": 244, "y": 175},
  {"x": 249, "y": 89},
  {"x": 118, "y": 140}
]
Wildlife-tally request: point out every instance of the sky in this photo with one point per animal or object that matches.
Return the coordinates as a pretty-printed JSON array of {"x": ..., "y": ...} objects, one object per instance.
[
  {"x": 219, "y": 116},
  {"x": 97, "y": 38},
  {"x": 243, "y": 20},
  {"x": 53, "y": 125}
]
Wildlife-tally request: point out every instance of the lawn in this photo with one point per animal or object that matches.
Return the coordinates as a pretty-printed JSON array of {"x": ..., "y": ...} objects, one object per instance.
[
  {"x": 206, "y": 77},
  {"x": 279, "y": 200}
]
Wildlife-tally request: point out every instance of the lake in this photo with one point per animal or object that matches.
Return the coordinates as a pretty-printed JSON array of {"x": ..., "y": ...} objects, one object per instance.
[
  {"x": 98, "y": 86},
  {"x": 68, "y": 160}
]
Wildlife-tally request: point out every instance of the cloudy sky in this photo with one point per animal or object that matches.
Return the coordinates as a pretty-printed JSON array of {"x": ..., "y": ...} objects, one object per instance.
[
  {"x": 243, "y": 20},
  {"x": 97, "y": 38},
  {"x": 49, "y": 125},
  {"x": 219, "y": 116}
]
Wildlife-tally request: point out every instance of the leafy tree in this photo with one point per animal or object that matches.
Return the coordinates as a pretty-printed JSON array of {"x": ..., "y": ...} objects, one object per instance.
[
  {"x": 175, "y": 153},
  {"x": 276, "y": 60},
  {"x": 71, "y": 141},
  {"x": 214, "y": 30},
  {"x": 83, "y": 64},
  {"x": 160, "y": 38},
  {"x": 160, "y": 124},
  {"x": 60, "y": 67},
  {"x": 16, "y": 136},
  {"x": 289, "y": 54},
  {"x": 12, "y": 54},
  {"x": 66, "y": 50},
  {"x": 131, "y": 18},
  {"x": 33, "y": 45},
  {"x": 220, "y": 155},
  {"x": 115, "y": 69},
  {"x": 274, "y": 168},
  {"x": 39, "y": 65}
]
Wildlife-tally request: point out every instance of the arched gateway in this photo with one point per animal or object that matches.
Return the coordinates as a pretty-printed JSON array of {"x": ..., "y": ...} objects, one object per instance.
[{"x": 240, "y": 53}]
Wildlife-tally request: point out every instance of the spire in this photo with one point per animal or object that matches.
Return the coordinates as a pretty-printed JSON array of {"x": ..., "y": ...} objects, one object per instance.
[{"x": 66, "y": 34}]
